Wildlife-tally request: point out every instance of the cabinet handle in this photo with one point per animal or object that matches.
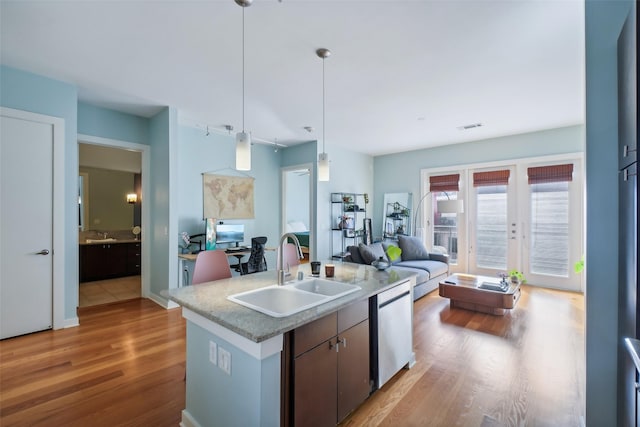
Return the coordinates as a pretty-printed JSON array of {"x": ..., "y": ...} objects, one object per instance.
[
  {"x": 626, "y": 150},
  {"x": 336, "y": 346},
  {"x": 343, "y": 341}
]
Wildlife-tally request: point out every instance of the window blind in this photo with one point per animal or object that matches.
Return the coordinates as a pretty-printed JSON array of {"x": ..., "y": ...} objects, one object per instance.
[
  {"x": 444, "y": 182},
  {"x": 555, "y": 173},
  {"x": 483, "y": 179}
]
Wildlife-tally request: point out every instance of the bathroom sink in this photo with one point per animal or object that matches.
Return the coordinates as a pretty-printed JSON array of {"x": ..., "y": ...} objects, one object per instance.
[
  {"x": 325, "y": 287},
  {"x": 278, "y": 301},
  {"x": 282, "y": 301},
  {"x": 110, "y": 239}
]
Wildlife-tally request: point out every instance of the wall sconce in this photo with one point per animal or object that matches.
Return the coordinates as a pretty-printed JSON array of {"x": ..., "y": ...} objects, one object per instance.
[{"x": 132, "y": 198}]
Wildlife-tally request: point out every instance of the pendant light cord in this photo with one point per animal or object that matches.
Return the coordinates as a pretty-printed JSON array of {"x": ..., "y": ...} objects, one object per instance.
[
  {"x": 243, "y": 69},
  {"x": 323, "y": 107}
]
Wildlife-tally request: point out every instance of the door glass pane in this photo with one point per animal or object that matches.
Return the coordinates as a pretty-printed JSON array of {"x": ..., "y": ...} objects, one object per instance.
[
  {"x": 491, "y": 228},
  {"x": 445, "y": 231},
  {"x": 550, "y": 228}
]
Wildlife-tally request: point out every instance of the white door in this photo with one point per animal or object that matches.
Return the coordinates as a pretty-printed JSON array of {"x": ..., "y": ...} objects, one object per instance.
[
  {"x": 492, "y": 221},
  {"x": 26, "y": 221}
]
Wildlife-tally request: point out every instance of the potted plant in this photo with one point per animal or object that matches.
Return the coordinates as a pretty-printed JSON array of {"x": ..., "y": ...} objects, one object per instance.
[{"x": 516, "y": 276}]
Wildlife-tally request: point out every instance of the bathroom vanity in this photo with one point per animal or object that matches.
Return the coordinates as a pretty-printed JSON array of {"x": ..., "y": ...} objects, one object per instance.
[{"x": 248, "y": 368}]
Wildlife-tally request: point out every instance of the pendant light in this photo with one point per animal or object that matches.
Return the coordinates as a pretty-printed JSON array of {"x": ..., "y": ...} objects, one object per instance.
[
  {"x": 243, "y": 139},
  {"x": 323, "y": 158}
]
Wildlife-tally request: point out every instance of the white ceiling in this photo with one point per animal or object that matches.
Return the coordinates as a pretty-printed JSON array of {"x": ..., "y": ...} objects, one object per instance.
[{"x": 403, "y": 75}]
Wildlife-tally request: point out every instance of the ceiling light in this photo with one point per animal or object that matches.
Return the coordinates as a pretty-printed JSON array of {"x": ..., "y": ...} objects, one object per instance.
[
  {"x": 243, "y": 139},
  {"x": 323, "y": 158}
]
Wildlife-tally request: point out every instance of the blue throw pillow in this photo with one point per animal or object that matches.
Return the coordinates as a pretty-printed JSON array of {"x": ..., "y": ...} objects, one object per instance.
[
  {"x": 372, "y": 252},
  {"x": 412, "y": 248}
]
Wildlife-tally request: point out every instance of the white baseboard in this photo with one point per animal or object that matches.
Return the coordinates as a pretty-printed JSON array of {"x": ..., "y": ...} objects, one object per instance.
[
  {"x": 162, "y": 302},
  {"x": 187, "y": 420},
  {"x": 71, "y": 323}
]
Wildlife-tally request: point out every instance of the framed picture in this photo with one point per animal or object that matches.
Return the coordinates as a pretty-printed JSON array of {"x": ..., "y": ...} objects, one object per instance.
[{"x": 367, "y": 238}]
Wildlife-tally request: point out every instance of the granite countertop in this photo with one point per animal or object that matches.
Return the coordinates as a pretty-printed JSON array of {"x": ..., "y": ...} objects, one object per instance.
[
  {"x": 210, "y": 299},
  {"x": 109, "y": 242}
]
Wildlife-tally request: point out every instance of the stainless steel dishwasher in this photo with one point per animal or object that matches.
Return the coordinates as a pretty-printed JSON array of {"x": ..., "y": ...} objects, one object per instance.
[{"x": 392, "y": 312}]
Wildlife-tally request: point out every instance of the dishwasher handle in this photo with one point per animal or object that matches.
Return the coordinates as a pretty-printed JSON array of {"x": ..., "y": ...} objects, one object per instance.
[{"x": 394, "y": 299}]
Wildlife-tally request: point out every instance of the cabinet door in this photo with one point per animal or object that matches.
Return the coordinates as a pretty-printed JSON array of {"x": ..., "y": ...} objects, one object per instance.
[
  {"x": 353, "y": 369},
  {"x": 133, "y": 258},
  {"x": 92, "y": 266},
  {"x": 315, "y": 386},
  {"x": 115, "y": 260}
]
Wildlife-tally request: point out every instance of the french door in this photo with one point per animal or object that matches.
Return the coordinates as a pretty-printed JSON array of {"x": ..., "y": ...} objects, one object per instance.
[
  {"x": 526, "y": 216},
  {"x": 492, "y": 221}
]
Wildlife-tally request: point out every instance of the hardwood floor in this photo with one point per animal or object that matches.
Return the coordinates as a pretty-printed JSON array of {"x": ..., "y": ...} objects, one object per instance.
[
  {"x": 526, "y": 368},
  {"x": 124, "y": 365}
]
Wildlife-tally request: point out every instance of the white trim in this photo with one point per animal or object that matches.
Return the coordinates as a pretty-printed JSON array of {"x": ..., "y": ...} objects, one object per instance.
[
  {"x": 72, "y": 322},
  {"x": 145, "y": 171},
  {"x": 188, "y": 420},
  {"x": 59, "y": 200},
  {"x": 164, "y": 303},
  {"x": 258, "y": 350}
]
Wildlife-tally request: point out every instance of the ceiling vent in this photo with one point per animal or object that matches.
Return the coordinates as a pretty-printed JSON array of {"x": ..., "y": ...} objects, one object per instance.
[{"x": 471, "y": 126}]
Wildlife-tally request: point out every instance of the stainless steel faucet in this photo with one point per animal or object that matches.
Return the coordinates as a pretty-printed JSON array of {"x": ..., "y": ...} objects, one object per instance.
[{"x": 280, "y": 261}]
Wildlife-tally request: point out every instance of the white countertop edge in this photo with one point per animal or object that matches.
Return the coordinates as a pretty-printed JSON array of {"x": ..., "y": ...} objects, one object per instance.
[{"x": 259, "y": 351}]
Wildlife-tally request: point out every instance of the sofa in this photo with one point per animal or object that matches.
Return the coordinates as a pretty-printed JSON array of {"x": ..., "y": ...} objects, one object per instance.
[{"x": 431, "y": 268}]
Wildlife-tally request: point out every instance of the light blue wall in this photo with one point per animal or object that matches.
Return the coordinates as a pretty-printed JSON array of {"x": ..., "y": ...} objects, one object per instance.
[
  {"x": 163, "y": 239},
  {"x": 351, "y": 172},
  {"x": 29, "y": 92},
  {"x": 604, "y": 20},
  {"x": 250, "y": 396},
  {"x": 198, "y": 154},
  {"x": 400, "y": 173},
  {"x": 106, "y": 123}
]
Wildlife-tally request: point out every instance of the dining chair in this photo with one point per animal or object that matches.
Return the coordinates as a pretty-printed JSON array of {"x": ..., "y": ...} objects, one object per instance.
[
  {"x": 290, "y": 256},
  {"x": 257, "y": 261},
  {"x": 211, "y": 265}
]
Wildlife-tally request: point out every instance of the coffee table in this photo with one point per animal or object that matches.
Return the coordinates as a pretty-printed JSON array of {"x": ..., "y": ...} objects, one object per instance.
[{"x": 463, "y": 291}]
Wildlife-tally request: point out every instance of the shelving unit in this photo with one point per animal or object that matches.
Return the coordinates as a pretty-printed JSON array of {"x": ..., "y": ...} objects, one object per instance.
[
  {"x": 397, "y": 221},
  {"x": 348, "y": 211}
]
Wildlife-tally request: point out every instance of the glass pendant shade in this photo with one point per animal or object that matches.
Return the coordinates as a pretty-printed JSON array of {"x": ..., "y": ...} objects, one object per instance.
[
  {"x": 243, "y": 151},
  {"x": 323, "y": 167}
]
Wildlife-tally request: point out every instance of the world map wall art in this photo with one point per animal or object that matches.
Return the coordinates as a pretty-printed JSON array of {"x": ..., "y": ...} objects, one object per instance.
[{"x": 227, "y": 197}]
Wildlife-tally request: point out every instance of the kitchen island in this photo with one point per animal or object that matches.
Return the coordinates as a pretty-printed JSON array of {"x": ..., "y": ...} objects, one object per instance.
[{"x": 235, "y": 354}]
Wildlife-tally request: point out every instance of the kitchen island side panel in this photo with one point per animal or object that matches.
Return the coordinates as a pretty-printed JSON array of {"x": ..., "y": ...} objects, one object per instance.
[{"x": 249, "y": 396}]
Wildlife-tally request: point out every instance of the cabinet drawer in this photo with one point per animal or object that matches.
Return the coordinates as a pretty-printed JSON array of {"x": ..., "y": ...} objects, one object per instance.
[
  {"x": 352, "y": 315},
  {"x": 310, "y": 335}
]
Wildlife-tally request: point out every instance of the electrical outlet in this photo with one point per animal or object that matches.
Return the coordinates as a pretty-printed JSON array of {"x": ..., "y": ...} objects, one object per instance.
[
  {"x": 224, "y": 361},
  {"x": 213, "y": 352}
]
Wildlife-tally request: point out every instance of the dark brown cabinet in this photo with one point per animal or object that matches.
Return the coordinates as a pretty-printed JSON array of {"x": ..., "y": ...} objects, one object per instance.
[
  {"x": 134, "y": 256},
  {"x": 330, "y": 367},
  {"x": 109, "y": 260}
]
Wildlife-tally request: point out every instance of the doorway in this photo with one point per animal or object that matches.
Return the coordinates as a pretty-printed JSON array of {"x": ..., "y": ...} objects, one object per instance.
[
  {"x": 112, "y": 258},
  {"x": 524, "y": 215},
  {"x": 297, "y": 206}
]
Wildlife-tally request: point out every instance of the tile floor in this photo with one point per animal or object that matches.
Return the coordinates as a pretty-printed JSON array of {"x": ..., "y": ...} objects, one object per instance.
[{"x": 107, "y": 291}]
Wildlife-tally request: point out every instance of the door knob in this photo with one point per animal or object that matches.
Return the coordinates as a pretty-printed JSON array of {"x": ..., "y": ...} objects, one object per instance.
[{"x": 43, "y": 252}]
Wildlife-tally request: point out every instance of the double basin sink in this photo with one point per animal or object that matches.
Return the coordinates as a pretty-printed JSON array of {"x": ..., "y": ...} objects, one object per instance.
[{"x": 292, "y": 298}]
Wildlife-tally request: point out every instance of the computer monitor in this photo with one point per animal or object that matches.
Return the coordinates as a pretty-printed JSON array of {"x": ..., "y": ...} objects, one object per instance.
[{"x": 229, "y": 233}]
